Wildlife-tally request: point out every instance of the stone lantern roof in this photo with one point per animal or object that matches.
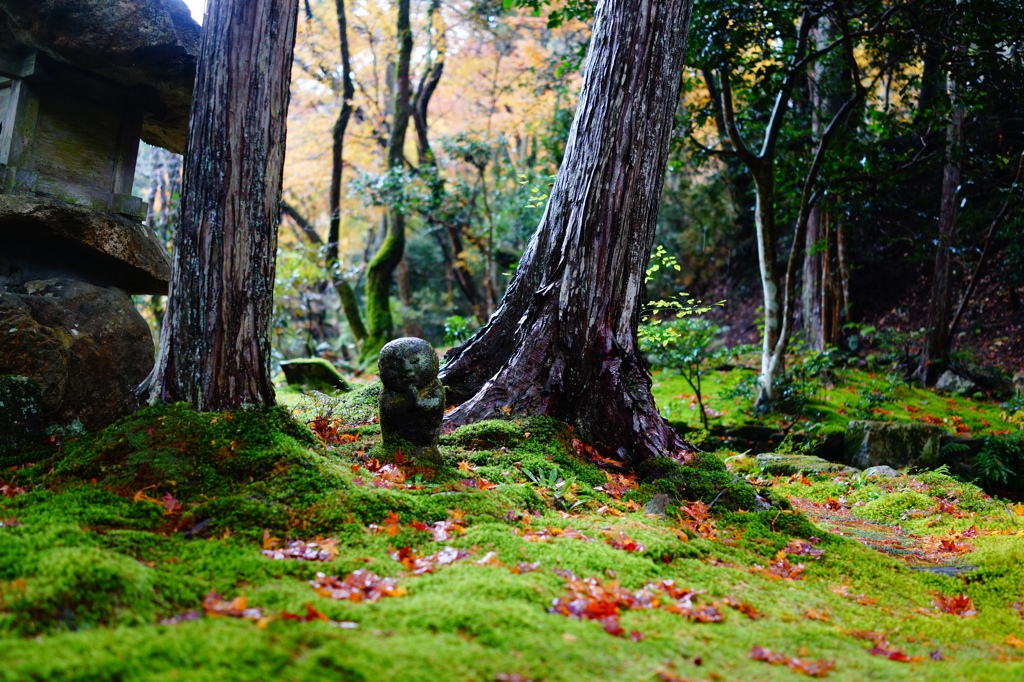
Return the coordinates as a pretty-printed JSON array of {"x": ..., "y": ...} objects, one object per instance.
[{"x": 148, "y": 45}]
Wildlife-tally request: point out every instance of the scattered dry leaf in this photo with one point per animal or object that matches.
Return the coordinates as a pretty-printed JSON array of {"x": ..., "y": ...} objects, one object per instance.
[
  {"x": 957, "y": 605},
  {"x": 359, "y": 585},
  {"x": 803, "y": 548},
  {"x": 419, "y": 564},
  {"x": 819, "y": 668},
  {"x": 320, "y": 549},
  {"x": 780, "y": 568},
  {"x": 894, "y": 654},
  {"x": 624, "y": 542}
]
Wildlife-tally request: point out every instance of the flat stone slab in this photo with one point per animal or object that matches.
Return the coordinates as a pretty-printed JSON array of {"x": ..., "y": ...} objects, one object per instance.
[
  {"x": 47, "y": 237},
  {"x": 153, "y": 44},
  {"x": 787, "y": 465}
]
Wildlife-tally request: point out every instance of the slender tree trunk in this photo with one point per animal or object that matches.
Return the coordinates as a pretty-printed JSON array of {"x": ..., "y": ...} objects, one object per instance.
[
  {"x": 772, "y": 364},
  {"x": 347, "y": 295},
  {"x": 563, "y": 341},
  {"x": 936, "y": 348},
  {"x": 379, "y": 324},
  {"x": 215, "y": 345},
  {"x": 338, "y": 139},
  {"x": 349, "y": 305},
  {"x": 441, "y": 225}
]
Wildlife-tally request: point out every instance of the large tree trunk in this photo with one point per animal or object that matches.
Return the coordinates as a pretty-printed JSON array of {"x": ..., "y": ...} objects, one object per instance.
[
  {"x": 563, "y": 341},
  {"x": 379, "y": 324},
  {"x": 829, "y": 87},
  {"x": 812, "y": 293},
  {"x": 936, "y": 347},
  {"x": 215, "y": 345}
]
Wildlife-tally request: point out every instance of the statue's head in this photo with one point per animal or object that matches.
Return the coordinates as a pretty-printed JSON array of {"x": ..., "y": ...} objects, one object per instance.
[{"x": 407, "y": 361}]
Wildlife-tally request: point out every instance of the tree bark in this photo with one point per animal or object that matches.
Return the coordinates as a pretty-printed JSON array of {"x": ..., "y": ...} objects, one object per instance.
[
  {"x": 215, "y": 345},
  {"x": 338, "y": 139},
  {"x": 379, "y": 324},
  {"x": 829, "y": 86},
  {"x": 936, "y": 347},
  {"x": 812, "y": 293},
  {"x": 563, "y": 341}
]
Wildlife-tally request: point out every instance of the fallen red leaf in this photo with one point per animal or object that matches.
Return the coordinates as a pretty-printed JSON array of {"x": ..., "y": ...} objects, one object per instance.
[
  {"x": 618, "y": 484},
  {"x": 744, "y": 608},
  {"x": 803, "y": 548},
  {"x": 320, "y": 549},
  {"x": 391, "y": 525},
  {"x": 780, "y": 568},
  {"x": 419, "y": 564},
  {"x": 625, "y": 543},
  {"x": 359, "y": 585},
  {"x": 214, "y": 605},
  {"x": 894, "y": 654},
  {"x": 957, "y": 605},
  {"x": 311, "y": 615},
  {"x": 819, "y": 668}
]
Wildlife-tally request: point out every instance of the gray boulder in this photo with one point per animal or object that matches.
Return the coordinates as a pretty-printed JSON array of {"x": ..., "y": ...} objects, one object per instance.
[
  {"x": 881, "y": 471},
  {"x": 954, "y": 383},
  {"x": 86, "y": 346},
  {"x": 658, "y": 504},
  {"x": 1018, "y": 382},
  {"x": 412, "y": 399},
  {"x": 896, "y": 444},
  {"x": 787, "y": 465}
]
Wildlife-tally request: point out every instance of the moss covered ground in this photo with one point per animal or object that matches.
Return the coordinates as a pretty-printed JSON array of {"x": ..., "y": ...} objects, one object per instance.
[
  {"x": 147, "y": 552},
  {"x": 828, "y": 402}
]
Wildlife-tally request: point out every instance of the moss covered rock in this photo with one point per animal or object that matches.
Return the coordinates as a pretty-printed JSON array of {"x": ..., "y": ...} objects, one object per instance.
[
  {"x": 21, "y": 418},
  {"x": 787, "y": 465},
  {"x": 704, "y": 478},
  {"x": 896, "y": 444},
  {"x": 314, "y": 374}
]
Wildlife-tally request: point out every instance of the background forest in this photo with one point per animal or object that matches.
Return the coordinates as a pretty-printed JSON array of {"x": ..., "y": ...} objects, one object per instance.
[{"x": 910, "y": 97}]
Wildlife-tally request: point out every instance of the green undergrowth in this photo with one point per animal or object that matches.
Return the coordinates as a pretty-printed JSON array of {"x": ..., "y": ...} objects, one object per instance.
[
  {"x": 827, "y": 404},
  {"x": 105, "y": 535}
]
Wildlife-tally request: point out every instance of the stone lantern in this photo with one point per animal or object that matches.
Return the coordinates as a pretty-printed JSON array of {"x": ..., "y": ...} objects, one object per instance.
[{"x": 81, "y": 82}]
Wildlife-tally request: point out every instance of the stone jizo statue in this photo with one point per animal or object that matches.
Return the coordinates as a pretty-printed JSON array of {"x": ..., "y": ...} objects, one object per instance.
[{"x": 412, "y": 401}]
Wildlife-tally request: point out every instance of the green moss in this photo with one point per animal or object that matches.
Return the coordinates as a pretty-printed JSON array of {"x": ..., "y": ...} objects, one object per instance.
[
  {"x": 890, "y": 507},
  {"x": 77, "y": 587},
  {"x": 705, "y": 478},
  {"x": 93, "y": 570},
  {"x": 487, "y": 434}
]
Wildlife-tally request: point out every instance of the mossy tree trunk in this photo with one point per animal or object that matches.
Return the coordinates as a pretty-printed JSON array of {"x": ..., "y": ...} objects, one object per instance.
[
  {"x": 563, "y": 341},
  {"x": 215, "y": 345},
  {"x": 379, "y": 325}
]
